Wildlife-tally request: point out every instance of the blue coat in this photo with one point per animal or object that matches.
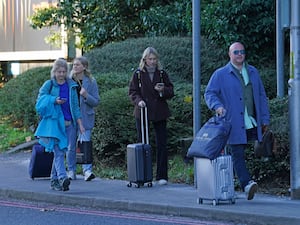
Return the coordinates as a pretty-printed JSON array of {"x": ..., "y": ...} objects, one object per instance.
[
  {"x": 87, "y": 104},
  {"x": 224, "y": 89},
  {"x": 51, "y": 128}
]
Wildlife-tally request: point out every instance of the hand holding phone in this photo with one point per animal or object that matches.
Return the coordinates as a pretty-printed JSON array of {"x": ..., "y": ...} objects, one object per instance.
[
  {"x": 160, "y": 88},
  {"x": 160, "y": 85}
]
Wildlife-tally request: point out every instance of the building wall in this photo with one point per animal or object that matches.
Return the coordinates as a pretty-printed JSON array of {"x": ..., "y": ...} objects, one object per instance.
[{"x": 19, "y": 43}]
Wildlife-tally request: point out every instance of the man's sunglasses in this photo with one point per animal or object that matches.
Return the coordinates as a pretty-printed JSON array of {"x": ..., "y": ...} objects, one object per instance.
[{"x": 242, "y": 52}]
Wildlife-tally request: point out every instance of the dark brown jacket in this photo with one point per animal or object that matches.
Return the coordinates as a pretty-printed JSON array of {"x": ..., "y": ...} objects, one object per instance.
[{"x": 141, "y": 88}]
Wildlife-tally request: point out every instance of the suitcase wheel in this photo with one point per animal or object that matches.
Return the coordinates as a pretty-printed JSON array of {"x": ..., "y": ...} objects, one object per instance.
[
  {"x": 200, "y": 201},
  {"x": 215, "y": 202}
]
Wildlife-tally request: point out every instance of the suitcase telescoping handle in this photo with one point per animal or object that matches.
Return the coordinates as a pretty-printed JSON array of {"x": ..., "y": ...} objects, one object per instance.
[{"x": 144, "y": 118}]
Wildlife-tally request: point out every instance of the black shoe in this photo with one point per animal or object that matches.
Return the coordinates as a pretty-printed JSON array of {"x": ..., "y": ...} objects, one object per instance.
[
  {"x": 88, "y": 176},
  {"x": 65, "y": 183}
]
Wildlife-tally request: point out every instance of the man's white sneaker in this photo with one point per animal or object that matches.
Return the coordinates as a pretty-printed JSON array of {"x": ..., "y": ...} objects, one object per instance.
[
  {"x": 71, "y": 175},
  {"x": 88, "y": 176},
  {"x": 162, "y": 182},
  {"x": 250, "y": 189}
]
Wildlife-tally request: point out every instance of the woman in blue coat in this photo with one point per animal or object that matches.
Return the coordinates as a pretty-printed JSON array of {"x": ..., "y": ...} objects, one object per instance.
[
  {"x": 57, "y": 105},
  {"x": 236, "y": 91}
]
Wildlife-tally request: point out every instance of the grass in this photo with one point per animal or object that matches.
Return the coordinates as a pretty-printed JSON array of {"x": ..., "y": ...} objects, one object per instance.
[
  {"x": 178, "y": 171},
  {"x": 11, "y": 136}
]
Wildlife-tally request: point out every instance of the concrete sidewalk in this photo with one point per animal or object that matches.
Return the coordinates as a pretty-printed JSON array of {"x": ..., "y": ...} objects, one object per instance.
[{"x": 171, "y": 199}]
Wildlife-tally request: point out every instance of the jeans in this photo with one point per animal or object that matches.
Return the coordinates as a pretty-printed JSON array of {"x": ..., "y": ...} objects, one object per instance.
[
  {"x": 160, "y": 129},
  {"x": 71, "y": 153},
  {"x": 238, "y": 159},
  {"x": 58, "y": 170}
]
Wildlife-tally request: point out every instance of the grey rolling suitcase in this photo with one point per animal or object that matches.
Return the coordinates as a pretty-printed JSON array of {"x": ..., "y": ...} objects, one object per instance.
[
  {"x": 139, "y": 158},
  {"x": 215, "y": 179}
]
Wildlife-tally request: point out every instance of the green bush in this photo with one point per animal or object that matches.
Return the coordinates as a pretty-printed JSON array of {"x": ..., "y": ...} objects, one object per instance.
[
  {"x": 18, "y": 96},
  {"x": 275, "y": 170},
  {"x": 114, "y": 127},
  {"x": 175, "y": 54},
  {"x": 108, "y": 81}
]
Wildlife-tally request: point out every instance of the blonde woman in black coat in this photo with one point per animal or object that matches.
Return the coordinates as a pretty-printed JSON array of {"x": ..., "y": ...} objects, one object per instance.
[{"x": 150, "y": 86}]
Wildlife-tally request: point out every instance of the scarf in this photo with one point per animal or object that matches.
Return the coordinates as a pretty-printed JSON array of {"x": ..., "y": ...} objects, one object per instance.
[{"x": 151, "y": 70}]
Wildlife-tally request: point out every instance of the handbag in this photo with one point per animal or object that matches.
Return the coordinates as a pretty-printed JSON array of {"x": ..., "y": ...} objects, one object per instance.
[
  {"x": 84, "y": 154},
  {"x": 267, "y": 146},
  {"x": 211, "y": 139}
]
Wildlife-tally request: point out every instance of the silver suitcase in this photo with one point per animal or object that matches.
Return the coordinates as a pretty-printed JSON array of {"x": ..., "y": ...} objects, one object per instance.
[{"x": 215, "y": 179}]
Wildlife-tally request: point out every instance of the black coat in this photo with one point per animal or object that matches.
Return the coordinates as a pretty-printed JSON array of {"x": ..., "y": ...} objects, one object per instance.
[{"x": 141, "y": 88}]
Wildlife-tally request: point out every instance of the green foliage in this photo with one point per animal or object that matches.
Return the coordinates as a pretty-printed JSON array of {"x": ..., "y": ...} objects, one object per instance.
[
  {"x": 19, "y": 94},
  {"x": 44, "y": 17},
  {"x": 97, "y": 22},
  {"x": 3, "y": 78},
  {"x": 276, "y": 169},
  {"x": 125, "y": 56},
  {"x": 108, "y": 81},
  {"x": 180, "y": 172},
  {"x": 114, "y": 127},
  {"x": 268, "y": 76},
  {"x": 169, "y": 20},
  {"x": 250, "y": 21}
]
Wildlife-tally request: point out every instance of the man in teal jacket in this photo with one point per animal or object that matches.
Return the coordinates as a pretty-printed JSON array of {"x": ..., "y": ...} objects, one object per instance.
[{"x": 236, "y": 91}]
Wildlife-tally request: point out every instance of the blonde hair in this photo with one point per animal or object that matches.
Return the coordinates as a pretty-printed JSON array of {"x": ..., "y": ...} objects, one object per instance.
[
  {"x": 83, "y": 60},
  {"x": 146, "y": 53},
  {"x": 58, "y": 64}
]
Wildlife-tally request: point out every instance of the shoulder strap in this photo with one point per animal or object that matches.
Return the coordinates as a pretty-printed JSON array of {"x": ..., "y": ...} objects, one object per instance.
[
  {"x": 138, "y": 72},
  {"x": 161, "y": 76},
  {"x": 51, "y": 85}
]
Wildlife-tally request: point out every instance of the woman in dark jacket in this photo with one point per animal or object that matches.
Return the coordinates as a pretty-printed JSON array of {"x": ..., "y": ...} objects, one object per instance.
[{"x": 150, "y": 86}]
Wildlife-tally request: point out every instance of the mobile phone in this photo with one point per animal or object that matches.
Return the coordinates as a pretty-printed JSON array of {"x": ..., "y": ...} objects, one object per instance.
[
  {"x": 63, "y": 99},
  {"x": 160, "y": 84}
]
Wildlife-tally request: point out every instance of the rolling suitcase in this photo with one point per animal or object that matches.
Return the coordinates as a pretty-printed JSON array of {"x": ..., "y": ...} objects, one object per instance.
[
  {"x": 215, "y": 179},
  {"x": 40, "y": 162},
  {"x": 139, "y": 157}
]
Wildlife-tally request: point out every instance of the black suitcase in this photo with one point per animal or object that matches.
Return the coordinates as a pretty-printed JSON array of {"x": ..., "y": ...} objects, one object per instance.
[
  {"x": 40, "y": 162},
  {"x": 139, "y": 158}
]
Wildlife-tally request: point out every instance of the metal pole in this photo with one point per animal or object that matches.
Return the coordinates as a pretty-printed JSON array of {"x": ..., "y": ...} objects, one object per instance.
[
  {"x": 280, "y": 50},
  {"x": 294, "y": 103},
  {"x": 196, "y": 73}
]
